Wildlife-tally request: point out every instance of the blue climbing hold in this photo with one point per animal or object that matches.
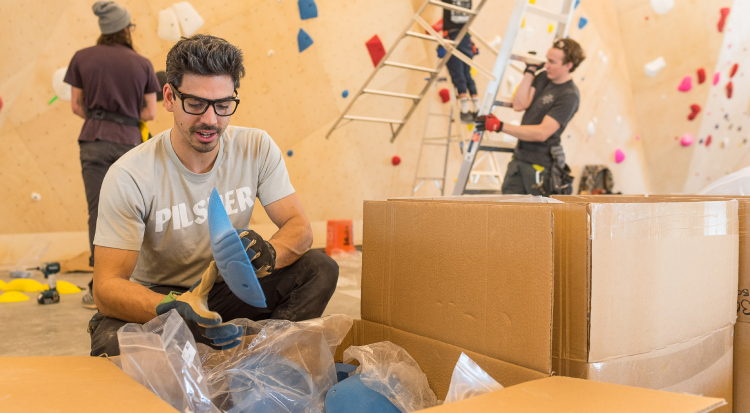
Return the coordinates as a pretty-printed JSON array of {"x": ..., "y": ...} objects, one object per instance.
[
  {"x": 307, "y": 9},
  {"x": 582, "y": 22},
  {"x": 577, "y": 3},
  {"x": 289, "y": 152},
  {"x": 345, "y": 94},
  {"x": 303, "y": 40},
  {"x": 441, "y": 52}
]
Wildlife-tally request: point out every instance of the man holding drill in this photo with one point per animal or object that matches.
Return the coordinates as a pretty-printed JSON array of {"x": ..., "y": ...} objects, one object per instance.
[{"x": 549, "y": 99}]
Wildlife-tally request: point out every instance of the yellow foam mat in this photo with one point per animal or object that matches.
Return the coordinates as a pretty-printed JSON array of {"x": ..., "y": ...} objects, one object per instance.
[
  {"x": 13, "y": 297},
  {"x": 26, "y": 285}
]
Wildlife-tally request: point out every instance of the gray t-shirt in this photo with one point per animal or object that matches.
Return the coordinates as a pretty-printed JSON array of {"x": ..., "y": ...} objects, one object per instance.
[
  {"x": 560, "y": 102},
  {"x": 151, "y": 203}
]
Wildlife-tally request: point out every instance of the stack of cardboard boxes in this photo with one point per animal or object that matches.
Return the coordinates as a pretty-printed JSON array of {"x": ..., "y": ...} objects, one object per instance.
[{"x": 612, "y": 290}]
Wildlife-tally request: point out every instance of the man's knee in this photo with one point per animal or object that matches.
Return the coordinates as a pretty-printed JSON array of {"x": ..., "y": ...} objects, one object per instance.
[
  {"x": 323, "y": 268},
  {"x": 103, "y": 331}
]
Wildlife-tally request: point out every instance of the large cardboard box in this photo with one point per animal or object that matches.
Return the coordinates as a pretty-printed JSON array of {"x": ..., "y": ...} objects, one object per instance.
[
  {"x": 72, "y": 384},
  {"x": 741, "y": 393}
]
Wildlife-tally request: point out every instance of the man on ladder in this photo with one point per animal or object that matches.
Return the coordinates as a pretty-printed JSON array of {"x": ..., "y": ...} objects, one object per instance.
[
  {"x": 550, "y": 100},
  {"x": 453, "y": 22}
]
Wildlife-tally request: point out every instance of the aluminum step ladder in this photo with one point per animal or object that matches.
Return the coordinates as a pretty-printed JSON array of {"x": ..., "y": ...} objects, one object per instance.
[
  {"x": 397, "y": 125},
  {"x": 440, "y": 141},
  {"x": 505, "y": 57}
]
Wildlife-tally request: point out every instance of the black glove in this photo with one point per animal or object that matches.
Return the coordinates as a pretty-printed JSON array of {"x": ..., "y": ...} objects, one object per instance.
[
  {"x": 533, "y": 68},
  {"x": 262, "y": 254},
  {"x": 490, "y": 123}
]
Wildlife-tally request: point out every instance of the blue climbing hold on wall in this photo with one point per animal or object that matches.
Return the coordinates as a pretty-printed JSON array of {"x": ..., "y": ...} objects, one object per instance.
[
  {"x": 345, "y": 93},
  {"x": 577, "y": 3},
  {"x": 307, "y": 9},
  {"x": 289, "y": 152},
  {"x": 303, "y": 40},
  {"x": 582, "y": 22},
  {"x": 441, "y": 52}
]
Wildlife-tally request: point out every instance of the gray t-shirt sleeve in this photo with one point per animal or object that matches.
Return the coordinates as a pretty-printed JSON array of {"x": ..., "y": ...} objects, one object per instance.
[
  {"x": 563, "y": 108},
  {"x": 273, "y": 178},
  {"x": 120, "y": 223}
]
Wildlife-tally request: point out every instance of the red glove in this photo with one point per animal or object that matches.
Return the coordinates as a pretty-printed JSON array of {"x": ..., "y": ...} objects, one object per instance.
[{"x": 490, "y": 123}]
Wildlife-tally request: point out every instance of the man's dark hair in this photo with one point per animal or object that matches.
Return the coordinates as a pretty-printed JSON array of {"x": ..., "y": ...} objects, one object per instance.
[
  {"x": 122, "y": 37},
  {"x": 573, "y": 52},
  {"x": 204, "y": 55}
]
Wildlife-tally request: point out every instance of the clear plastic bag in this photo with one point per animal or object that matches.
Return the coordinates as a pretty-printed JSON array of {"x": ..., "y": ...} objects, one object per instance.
[
  {"x": 281, "y": 366},
  {"x": 161, "y": 355},
  {"x": 469, "y": 380},
  {"x": 737, "y": 183},
  {"x": 286, "y": 367},
  {"x": 390, "y": 370}
]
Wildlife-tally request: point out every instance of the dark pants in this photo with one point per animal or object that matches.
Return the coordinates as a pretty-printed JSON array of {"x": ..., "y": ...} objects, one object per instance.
[
  {"x": 298, "y": 292},
  {"x": 461, "y": 72},
  {"x": 520, "y": 178},
  {"x": 96, "y": 158}
]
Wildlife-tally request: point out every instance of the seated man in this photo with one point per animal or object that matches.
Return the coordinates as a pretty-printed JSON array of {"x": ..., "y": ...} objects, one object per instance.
[{"x": 152, "y": 236}]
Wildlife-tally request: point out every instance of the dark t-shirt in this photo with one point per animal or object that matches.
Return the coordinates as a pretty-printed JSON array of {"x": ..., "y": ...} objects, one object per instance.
[
  {"x": 453, "y": 21},
  {"x": 114, "y": 78},
  {"x": 560, "y": 102}
]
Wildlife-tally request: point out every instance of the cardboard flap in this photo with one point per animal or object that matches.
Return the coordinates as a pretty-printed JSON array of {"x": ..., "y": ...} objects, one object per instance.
[
  {"x": 72, "y": 384},
  {"x": 472, "y": 275},
  {"x": 563, "y": 395}
]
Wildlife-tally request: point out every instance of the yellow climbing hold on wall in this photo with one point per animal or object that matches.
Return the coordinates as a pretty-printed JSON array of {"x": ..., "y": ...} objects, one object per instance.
[
  {"x": 13, "y": 297},
  {"x": 550, "y": 28},
  {"x": 2, "y": 285},
  {"x": 523, "y": 22},
  {"x": 473, "y": 72},
  {"x": 532, "y": 1},
  {"x": 25, "y": 285}
]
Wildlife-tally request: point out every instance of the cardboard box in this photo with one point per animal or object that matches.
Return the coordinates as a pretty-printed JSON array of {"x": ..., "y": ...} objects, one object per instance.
[
  {"x": 702, "y": 369},
  {"x": 742, "y": 367},
  {"x": 72, "y": 384},
  {"x": 442, "y": 278}
]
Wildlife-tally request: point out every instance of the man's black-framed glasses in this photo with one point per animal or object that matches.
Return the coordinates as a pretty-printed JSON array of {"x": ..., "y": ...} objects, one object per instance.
[{"x": 195, "y": 105}]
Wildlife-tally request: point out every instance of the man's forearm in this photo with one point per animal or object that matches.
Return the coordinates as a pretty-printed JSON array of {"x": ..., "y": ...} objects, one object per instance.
[
  {"x": 521, "y": 97},
  {"x": 526, "y": 133},
  {"x": 292, "y": 240},
  {"x": 126, "y": 300}
]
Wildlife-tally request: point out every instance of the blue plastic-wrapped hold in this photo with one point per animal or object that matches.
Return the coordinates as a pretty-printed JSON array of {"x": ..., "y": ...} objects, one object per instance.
[
  {"x": 307, "y": 9},
  {"x": 441, "y": 52}
]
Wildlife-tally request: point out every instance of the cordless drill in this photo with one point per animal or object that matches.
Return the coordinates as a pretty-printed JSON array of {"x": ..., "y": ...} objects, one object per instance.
[{"x": 50, "y": 296}]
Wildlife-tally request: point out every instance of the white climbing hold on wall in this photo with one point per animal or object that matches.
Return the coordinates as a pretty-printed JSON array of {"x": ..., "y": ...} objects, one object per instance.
[
  {"x": 35, "y": 196},
  {"x": 653, "y": 67},
  {"x": 190, "y": 20},
  {"x": 62, "y": 89},
  {"x": 169, "y": 26},
  {"x": 591, "y": 128},
  {"x": 662, "y": 6},
  {"x": 619, "y": 119},
  {"x": 270, "y": 53},
  {"x": 495, "y": 43}
]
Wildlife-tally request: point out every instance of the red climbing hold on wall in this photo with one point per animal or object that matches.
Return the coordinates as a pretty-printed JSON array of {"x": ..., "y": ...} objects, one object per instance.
[
  {"x": 734, "y": 70},
  {"x": 701, "y": 75},
  {"x": 708, "y": 140},
  {"x": 729, "y": 89},
  {"x": 723, "y": 20},
  {"x": 438, "y": 26},
  {"x": 1, "y": 103},
  {"x": 376, "y": 49},
  {"x": 445, "y": 95},
  {"x": 694, "y": 111},
  {"x": 396, "y": 160}
]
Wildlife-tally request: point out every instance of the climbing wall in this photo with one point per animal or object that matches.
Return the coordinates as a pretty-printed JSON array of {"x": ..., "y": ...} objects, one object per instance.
[
  {"x": 295, "y": 94},
  {"x": 723, "y": 147},
  {"x": 688, "y": 39}
]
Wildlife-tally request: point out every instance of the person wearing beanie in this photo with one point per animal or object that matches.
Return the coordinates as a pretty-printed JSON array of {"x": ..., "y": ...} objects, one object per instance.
[{"x": 102, "y": 79}]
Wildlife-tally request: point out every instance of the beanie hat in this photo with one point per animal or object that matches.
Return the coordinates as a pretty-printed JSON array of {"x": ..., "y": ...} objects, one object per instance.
[{"x": 112, "y": 17}]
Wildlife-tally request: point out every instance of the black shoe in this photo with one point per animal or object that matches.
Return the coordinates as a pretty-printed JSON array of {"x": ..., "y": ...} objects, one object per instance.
[{"x": 467, "y": 117}]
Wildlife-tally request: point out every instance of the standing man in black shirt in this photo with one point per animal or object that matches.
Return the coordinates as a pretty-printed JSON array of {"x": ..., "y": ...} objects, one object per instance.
[{"x": 550, "y": 100}]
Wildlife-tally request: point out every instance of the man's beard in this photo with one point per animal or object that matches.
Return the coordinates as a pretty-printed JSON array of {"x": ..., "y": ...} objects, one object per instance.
[{"x": 201, "y": 146}]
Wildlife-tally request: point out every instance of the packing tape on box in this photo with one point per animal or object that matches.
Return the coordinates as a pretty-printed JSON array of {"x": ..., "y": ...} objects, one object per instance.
[
  {"x": 665, "y": 368},
  {"x": 663, "y": 220}
]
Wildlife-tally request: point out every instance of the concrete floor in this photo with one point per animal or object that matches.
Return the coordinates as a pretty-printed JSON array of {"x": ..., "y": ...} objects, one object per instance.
[{"x": 30, "y": 329}]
